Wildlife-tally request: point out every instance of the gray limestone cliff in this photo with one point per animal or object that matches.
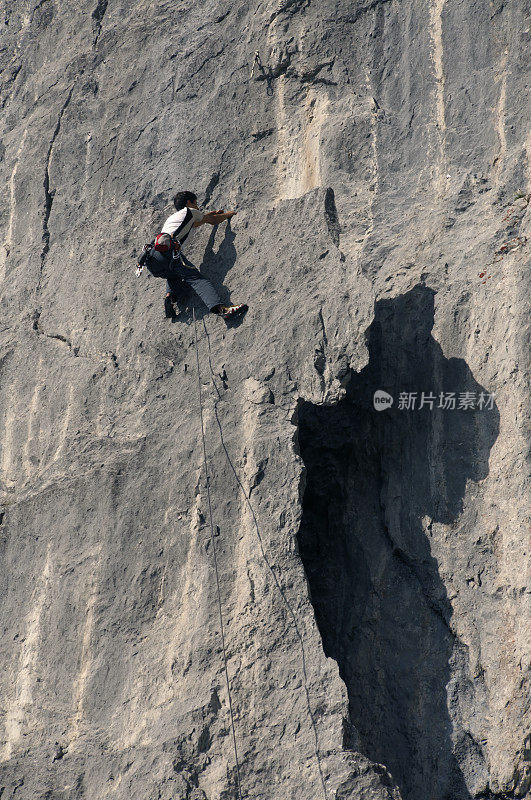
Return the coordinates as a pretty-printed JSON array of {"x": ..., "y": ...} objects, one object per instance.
[{"x": 373, "y": 564}]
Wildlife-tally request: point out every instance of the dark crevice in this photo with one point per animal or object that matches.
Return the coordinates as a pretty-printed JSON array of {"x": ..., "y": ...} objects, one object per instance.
[
  {"x": 97, "y": 19},
  {"x": 205, "y": 61},
  {"x": 64, "y": 340},
  {"x": 222, "y": 16},
  {"x": 9, "y": 82},
  {"x": 74, "y": 349},
  {"x": 57, "y": 336},
  {"x": 310, "y": 75},
  {"x": 375, "y": 483},
  {"x": 48, "y": 192},
  {"x": 262, "y": 134},
  {"x": 332, "y": 219},
  {"x": 323, "y": 329}
]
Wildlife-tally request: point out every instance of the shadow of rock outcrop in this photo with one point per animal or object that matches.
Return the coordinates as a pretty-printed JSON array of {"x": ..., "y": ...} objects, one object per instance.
[{"x": 375, "y": 484}]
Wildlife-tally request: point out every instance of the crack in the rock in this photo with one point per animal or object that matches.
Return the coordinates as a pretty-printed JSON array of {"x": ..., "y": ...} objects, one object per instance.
[
  {"x": 57, "y": 336},
  {"x": 262, "y": 134},
  {"x": 198, "y": 70},
  {"x": 9, "y": 82},
  {"x": 97, "y": 20},
  {"x": 144, "y": 128},
  {"x": 49, "y": 193},
  {"x": 407, "y": 562},
  {"x": 106, "y": 163},
  {"x": 74, "y": 349},
  {"x": 64, "y": 340},
  {"x": 332, "y": 219},
  {"x": 311, "y": 73},
  {"x": 321, "y": 320}
]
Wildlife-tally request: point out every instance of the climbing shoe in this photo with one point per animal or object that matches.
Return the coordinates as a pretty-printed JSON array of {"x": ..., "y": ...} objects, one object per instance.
[
  {"x": 230, "y": 312},
  {"x": 168, "y": 307}
]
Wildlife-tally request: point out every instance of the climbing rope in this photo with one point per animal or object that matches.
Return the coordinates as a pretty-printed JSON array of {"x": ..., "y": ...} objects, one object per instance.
[
  {"x": 220, "y": 608},
  {"x": 270, "y": 568}
]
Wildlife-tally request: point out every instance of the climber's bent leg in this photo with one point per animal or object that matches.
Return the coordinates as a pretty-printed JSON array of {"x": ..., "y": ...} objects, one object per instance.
[
  {"x": 173, "y": 287},
  {"x": 201, "y": 286}
]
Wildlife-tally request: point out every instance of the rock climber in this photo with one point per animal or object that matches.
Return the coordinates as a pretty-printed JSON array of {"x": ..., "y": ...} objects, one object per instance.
[{"x": 177, "y": 269}]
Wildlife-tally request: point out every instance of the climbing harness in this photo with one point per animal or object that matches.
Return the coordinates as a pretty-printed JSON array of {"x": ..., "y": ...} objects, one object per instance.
[
  {"x": 220, "y": 608},
  {"x": 166, "y": 245}
]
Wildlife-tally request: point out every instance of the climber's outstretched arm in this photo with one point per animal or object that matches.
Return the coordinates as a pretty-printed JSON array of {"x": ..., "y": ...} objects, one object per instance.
[{"x": 214, "y": 218}]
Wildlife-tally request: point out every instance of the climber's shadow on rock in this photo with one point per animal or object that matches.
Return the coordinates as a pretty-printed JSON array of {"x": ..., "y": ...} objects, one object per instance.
[
  {"x": 214, "y": 266},
  {"x": 376, "y": 483}
]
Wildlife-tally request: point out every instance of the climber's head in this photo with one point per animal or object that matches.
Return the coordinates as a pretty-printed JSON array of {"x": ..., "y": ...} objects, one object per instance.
[{"x": 185, "y": 199}]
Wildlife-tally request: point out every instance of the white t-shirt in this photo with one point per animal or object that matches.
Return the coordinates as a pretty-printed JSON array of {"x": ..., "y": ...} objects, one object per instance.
[{"x": 175, "y": 223}]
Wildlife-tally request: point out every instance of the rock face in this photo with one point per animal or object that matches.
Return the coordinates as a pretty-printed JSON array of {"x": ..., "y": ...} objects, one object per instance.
[{"x": 372, "y": 562}]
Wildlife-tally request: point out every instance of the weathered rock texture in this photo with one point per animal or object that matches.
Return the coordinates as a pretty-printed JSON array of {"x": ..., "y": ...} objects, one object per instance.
[{"x": 372, "y": 564}]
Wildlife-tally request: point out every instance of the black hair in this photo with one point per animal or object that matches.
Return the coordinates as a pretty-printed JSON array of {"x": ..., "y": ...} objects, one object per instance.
[{"x": 182, "y": 198}]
